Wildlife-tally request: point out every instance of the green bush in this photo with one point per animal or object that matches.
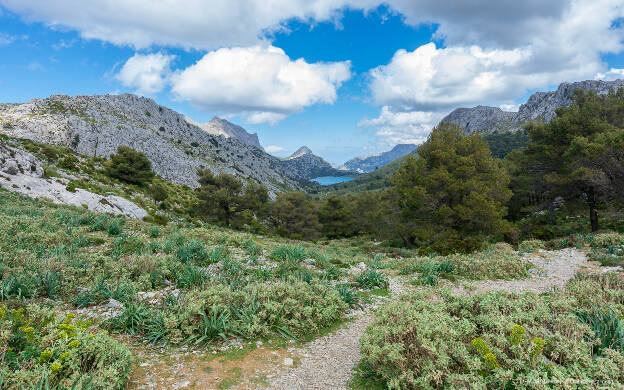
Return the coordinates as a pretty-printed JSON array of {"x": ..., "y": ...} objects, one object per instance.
[
  {"x": 432, "y": 339},
  {"x": 530, "y": 246},
  {"x": 372, "y": 279},
  {"x": 115, "y": 226},
  {"x": 66, "y": 352},
  {"x": 192, "y": 251},
  {"x": 294, "y": 253},
  {"x": 129, "y": 166},
  {"x": 607, "y": 239}
]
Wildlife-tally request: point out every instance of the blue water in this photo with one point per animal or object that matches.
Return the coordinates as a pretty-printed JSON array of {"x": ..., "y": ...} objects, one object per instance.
[{"x": 329, "y": 180}]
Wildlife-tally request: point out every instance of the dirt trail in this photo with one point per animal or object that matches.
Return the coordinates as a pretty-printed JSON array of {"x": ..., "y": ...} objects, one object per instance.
[
  {"x": 553, "y": 269},
  {"x": 327, "y": 362}
]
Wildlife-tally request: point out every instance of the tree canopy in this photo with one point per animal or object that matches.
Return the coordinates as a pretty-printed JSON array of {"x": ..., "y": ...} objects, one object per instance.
[
  {"x": 453, "y": 188},
  {"x": 130, "y": 166}
]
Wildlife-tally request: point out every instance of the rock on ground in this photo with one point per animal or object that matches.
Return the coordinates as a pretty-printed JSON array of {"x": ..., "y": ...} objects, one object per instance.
[{"x": 21, "y": 172}]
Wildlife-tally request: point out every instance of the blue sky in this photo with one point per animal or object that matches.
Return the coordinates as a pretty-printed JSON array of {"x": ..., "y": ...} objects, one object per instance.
[{"x": 344, "y": 78}]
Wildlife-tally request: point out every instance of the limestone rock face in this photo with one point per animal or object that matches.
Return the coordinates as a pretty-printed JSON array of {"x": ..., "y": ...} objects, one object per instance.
[
  {"x": 540, "y": 107},
  {"x": 21, "y": 172},
  {"x": 371, "y": 162},
  {"x": 481, "y": 119},
  {"x": 97, "y": 125},
  {"x": 306, "y": 165},
  {"x": 222, "y": 127}
]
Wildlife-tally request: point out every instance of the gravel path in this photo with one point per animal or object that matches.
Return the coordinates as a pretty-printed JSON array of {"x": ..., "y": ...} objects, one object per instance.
[
  {"x": 327, "y": 362},
  {"x": 553, "y": 270}
]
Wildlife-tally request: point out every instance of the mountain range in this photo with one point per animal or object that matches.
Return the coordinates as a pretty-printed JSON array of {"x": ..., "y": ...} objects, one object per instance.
[
  {"x": 540, "y": 107},
  {"x": 310, "y": 166},
  {"x": 373, "y": 161},
  {"x": 97, "y": 125}
]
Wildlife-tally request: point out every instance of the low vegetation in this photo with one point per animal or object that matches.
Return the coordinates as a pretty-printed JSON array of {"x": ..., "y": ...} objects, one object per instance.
[{"x": 433, "y": 339}]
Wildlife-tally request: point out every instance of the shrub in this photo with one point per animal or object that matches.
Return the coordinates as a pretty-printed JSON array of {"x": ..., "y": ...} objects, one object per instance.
[
  {"x": 433, "y": 339},
  {"x": 69, "y": 162},
  {"x": 154, "y": 232},
  {"x": 294, "y": 253},
  {"x": 66, "y": 352},
  {"x": 130, "y": 166},
  {"x": 115, "y": 227},
  {"x": 607, "y": 239},
  {"x": 158, "y": 192},
  {"x": 530, "y": 246},
  {"x": 372, "y": 278},
  {"x": 191, "y": 276},
  {"x": 192, "y": 251}
]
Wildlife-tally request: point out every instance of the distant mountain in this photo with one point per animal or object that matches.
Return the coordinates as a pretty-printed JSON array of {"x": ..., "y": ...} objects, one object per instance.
[
  {"x": 540, "y": 107},
  {"x": 300, "y": 152},
  {"x": 371, "y": 162},
  {"x": 97, "y": 125},
  {"x": 307, "y": 165},
  {"x": 222, "y": 127}
]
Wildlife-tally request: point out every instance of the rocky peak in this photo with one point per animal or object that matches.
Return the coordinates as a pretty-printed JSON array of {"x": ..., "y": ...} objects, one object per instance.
[
  {"x": 301, "y": 152},
  {"x": 540, "y": 106},
  {"x": 227, "y": 129}
]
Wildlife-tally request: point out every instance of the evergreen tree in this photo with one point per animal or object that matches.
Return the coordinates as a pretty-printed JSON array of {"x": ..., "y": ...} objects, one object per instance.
[
  {"x": 337, "y": 217},
  {"x": 293, "y": 215},
  {"x": 129, "y": 166},
  {"x": 218, "y": 196},
  {"x": 453, "y": 189},
  {"x": 580, "y": 153}
]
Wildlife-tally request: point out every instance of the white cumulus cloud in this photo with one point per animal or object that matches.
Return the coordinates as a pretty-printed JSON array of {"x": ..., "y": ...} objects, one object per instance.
[
  {"x": 260, "y": 83},
  {"x": 147, "y": 73},
  {"x": 274, "y": 148},
  {"x": 436, "y": 80}
]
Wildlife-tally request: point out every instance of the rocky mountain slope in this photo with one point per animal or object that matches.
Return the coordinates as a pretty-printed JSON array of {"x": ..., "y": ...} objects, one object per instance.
[
  {"x": 541, "y": 106},
  {"x": 371, "y": 162},
  {"x": 305, "y": 164},
  {"x": 222, "y": 127},
  {"x": 22, "y": 172},
  {"x": 97, "y": 125}
]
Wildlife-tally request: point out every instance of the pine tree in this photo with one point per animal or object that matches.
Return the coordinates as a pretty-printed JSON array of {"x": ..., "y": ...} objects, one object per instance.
[
  {"x": 130, "y": 166},
  {"x": 453, "y": 189}
]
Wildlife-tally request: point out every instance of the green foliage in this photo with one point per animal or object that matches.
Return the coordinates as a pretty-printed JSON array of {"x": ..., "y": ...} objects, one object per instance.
[
  {"x": 503, "y": 143},
  {"x": 293, "y": 253},
  {"x": 348, "y": 295},
  {"x": 454, "y": 190},
  {"x": 293, "y": 215},
  {"x": 498, "y": 261},
  {"x": 115, "y": 226},
  {"x": 372, "y": 279},
  {"x": 159, "y": 192},
  {"x": 608, "y": 328},
  {"x": 130, "y": 166},
  {"x": 192, "y": 251},
  {"x": 221, "y": 198},
  {"x": 432, "y": 339},
  {"x": 66, "y": 352},
  {"x": 530, "y": 246},
  {"x": 574, "y": 155}
]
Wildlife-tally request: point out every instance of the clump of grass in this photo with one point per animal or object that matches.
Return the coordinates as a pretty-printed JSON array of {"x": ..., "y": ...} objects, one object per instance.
[
  {"x": 293, "y": 253},
  {"x": 192, "y": 251},
  {"x": 115, "y": 227},
  {"x": 372, "y": 279},
  {"x": 154, "y": 232}
]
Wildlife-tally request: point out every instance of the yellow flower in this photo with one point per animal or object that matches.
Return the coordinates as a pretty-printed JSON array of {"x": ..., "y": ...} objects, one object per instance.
[
  {"x": 65, "y": 355},
  {"x": 517, "y": 334},
  {"x": 56, "y": 367},
  {"x": 45, "y": 356},
  {"x": 74, "y": 343}
]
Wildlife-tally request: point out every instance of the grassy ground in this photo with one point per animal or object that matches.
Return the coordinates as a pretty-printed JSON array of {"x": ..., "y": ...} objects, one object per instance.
[{"x": 175, "y": 285}]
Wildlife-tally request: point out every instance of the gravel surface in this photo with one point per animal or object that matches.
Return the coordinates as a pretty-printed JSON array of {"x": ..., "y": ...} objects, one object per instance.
[
  {"x": 552, "y": 270},
  {"x": 327, "y": 362}
]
